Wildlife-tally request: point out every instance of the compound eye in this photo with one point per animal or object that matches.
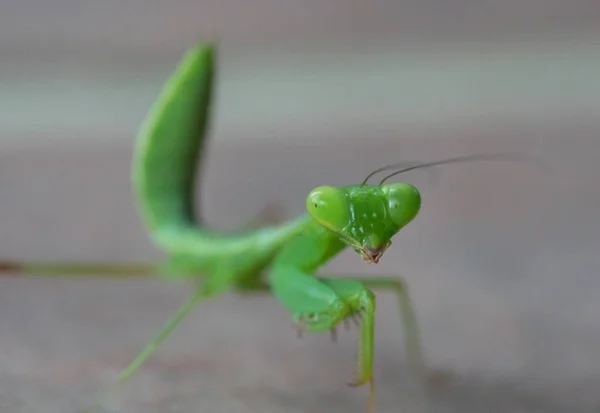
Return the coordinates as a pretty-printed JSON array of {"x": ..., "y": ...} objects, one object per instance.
[
  {"x": 329, "y": 206},
  {"x": 404, "y": 202}
]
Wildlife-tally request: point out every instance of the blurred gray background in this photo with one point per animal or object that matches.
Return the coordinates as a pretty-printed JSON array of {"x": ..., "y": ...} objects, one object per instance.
[{"x": 502, "y": 261}]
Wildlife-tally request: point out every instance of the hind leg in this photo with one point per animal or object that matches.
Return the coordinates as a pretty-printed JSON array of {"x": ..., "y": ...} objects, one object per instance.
[
  {"x": 151, "y": 347},
  {"x": 213, "y": 284}
]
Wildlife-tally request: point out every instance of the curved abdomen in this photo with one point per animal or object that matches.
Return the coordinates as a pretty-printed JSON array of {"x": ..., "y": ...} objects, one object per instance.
[{"x": 170, "y": 143}]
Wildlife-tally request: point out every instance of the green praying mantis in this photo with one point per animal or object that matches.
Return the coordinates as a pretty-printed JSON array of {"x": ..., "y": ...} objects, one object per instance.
[{"x": 281, "y": 259}]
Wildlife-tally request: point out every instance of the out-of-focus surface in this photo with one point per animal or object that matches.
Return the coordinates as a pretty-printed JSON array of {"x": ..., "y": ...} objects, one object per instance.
[
  {"x": 156, "y": 24},
  {"x": 86, "y": 71},
  {"x": 502, "y": 260}
]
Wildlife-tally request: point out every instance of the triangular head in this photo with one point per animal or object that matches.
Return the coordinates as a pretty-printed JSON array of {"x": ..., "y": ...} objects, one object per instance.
[{"x": 365, "y": 217}]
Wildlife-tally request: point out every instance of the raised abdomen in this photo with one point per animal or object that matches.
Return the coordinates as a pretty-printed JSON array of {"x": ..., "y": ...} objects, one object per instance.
[{"x": 170, "y": 142}]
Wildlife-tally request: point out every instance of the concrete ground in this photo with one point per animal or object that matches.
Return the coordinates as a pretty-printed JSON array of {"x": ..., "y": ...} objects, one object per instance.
[{"x": 503, "y": 264}]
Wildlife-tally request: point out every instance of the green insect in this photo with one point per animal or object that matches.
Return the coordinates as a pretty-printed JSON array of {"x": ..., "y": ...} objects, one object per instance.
[{"x": 281, "y": 259}]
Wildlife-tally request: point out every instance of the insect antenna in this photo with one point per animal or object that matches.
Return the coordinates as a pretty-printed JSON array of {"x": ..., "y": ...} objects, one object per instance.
[
  {"x": 386, "y": 167},
  {"x": 466, "y": 158}
]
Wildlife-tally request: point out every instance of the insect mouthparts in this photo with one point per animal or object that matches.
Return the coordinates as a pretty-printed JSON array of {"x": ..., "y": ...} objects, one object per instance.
[{"x": 372, "y": 255}]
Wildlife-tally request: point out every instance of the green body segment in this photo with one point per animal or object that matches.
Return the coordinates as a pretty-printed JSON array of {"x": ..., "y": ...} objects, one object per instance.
[
  {"x": 170, "y": 142},
  {"x": 168, "y": 153}
]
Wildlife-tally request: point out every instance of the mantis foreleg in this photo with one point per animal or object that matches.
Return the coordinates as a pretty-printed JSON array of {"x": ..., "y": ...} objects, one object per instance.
[
  {"x": 409, "y": 321},
  {"x": 393, "y": 284},
  {"x": 414, "y": 349}
]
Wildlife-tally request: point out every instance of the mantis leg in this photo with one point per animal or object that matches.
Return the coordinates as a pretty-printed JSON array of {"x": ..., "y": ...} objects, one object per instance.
[
  {"x": 82, "y": 269},
  {"x": 320, "y": 304},
  {"x": 411, "y": 330},
  {"x": 151, "y": 347},
  {"x": 395, "y": 285}
]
